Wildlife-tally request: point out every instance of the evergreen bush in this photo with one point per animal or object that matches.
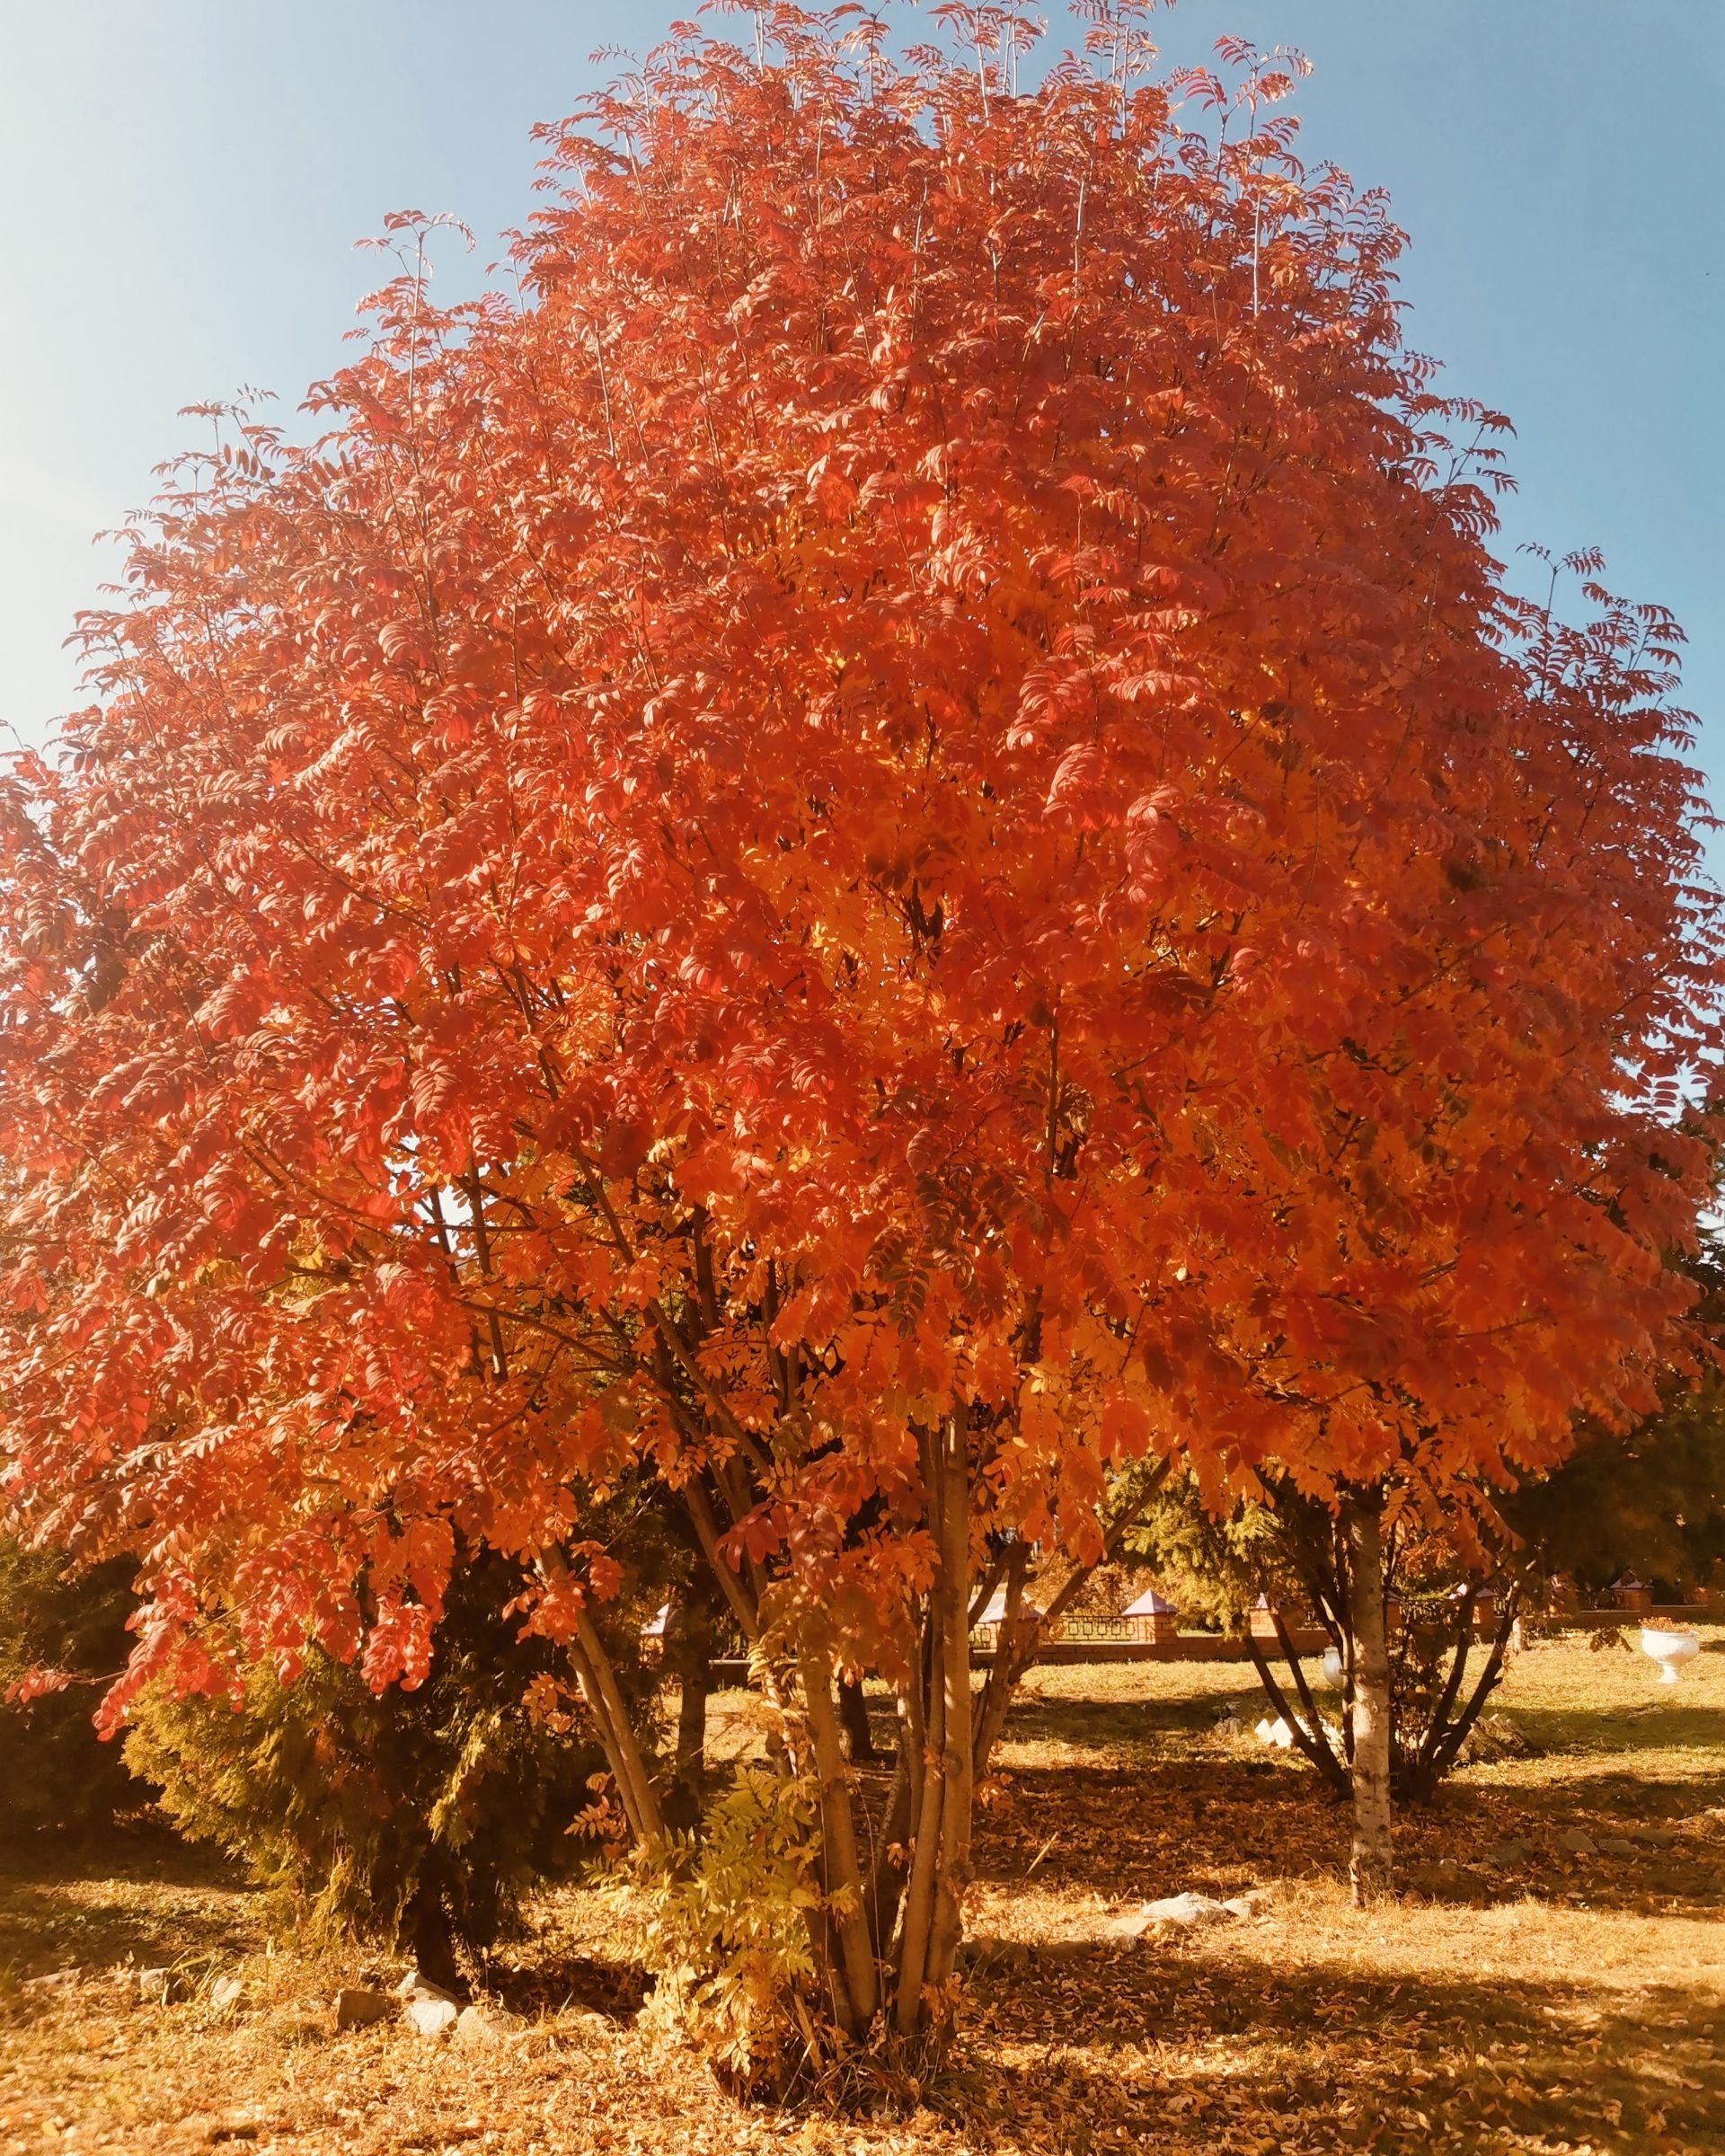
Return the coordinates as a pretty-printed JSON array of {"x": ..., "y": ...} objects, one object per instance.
[
  {"x": 57, "y": 1772},
  {"x": 416, "y": 1818}
]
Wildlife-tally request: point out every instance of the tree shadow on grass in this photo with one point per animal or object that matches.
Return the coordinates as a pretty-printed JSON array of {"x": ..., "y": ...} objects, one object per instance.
[
  {"x": 141, "y": 1895},
  {"x": 558, "y": 1982},
  {"x": 41, "y": 1930},
  {"x": 1105, "y": 1726},
  {"x": 148, "y": 1851},
  {"x": 1650, "y": 1726},
  {"x": 1223, "y": 1822},
  {"x": 1215, "y": 1824},
  {"x": 1217, "y": 2051},
  {"x": 1683, "y": 1874}
]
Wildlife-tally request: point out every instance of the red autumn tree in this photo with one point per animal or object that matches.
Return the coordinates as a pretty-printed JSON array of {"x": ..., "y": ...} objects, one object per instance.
[{"x": 893, "y": 848}]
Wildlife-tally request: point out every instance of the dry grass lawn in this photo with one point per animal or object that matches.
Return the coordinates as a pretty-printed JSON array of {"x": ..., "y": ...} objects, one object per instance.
[{"x": 1528, "y": 1999}]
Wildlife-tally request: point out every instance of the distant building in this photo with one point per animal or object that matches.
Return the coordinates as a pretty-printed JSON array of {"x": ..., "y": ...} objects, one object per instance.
[{"x": 1150, "y": 1617}]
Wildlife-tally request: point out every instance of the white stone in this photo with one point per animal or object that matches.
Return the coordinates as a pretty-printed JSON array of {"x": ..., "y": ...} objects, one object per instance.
[
  {"x": 225, "y": 1993},
  {"x": 357, "y": 2009},
  {"x": 481, "y": 2024},
  {"x": 415, "y": 1986},
  {"x": 433, "y": 2017},
  {"x": 1187, "y": 1909}
]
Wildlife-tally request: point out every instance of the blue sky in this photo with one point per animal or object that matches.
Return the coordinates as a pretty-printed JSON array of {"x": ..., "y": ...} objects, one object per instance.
[{"x": 185, "y": 181}]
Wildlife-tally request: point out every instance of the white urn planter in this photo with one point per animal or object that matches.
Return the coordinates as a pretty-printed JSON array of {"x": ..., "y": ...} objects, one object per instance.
[
  {"x": 1670, "y": 1649},
  {"x": 1330, "y": 1670}
]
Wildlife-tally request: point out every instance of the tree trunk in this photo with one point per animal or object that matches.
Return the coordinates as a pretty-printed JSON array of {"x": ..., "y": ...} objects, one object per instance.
[
  {"x": 959, "y": 1763},
  {"x": 425, "y": 1924},
  {"x": 940, "y": 1849},
  {"x": 926, "y": 1809},
  {"x": 1020, "y": 1638},
  {"x": 690, "y": 1653},
  {"x": 854, "y": 1719},
  {"x": 694, "y": 1685},
  {"x": 603, "y": 1697},
  {"x": 1014, "y": 1653},
  {"x": 885, "y": 1882},
  {"x": 605, "y": 1703},
  {"x": 1455, "y": 1736},
  {"x": 1309, "y": 1735},
  {"x": 855, "y": 1982},
  {"x": 1371, "y": 1869}
]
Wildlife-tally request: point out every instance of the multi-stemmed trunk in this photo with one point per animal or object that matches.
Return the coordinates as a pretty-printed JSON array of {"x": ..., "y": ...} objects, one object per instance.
[
  {"x": 887, "y": 1936},
  {"x": 941, "y": 1794},
  {"x": 1427, "y": 1710},
  {"x": 892, "y": 1863},
  {"x": 854, "y": 1719}
]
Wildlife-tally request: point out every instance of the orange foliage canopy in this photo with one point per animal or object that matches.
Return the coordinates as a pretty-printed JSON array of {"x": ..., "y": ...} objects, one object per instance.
[{"x": 909, "y": 791}]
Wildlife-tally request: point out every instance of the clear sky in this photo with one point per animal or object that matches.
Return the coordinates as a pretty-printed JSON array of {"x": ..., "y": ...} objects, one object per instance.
[{"x": 184, "y": 180}]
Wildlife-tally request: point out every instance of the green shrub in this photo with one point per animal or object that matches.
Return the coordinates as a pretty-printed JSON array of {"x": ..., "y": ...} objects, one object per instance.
[
  {"x": 415, "y": 1818},
  {"x": 728, "y": 1933}
]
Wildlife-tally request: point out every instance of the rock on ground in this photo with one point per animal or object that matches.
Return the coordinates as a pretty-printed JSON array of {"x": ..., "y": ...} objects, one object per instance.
[
  {"x": 357, "y": 2009},
  {"x": 1503, "y": 1856},
  {"x": 433, "y": 2017},
  {"x": 1495, "y": 1736},
  {"x": 1444, "y": 1881},
  {"x": 481, "y": 2024},
  {"x": 1181, "y": 1912}
]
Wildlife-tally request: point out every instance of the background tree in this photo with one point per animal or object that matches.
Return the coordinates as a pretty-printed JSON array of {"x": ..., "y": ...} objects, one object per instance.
[
  {"x": 1446, "y": 1607},
  {"x": 1650, "y": 1501},
  {"x": 63, "y": 1641},
  {"x": 894, "y": 847},
  {"x": 1449, "y": 1610}
]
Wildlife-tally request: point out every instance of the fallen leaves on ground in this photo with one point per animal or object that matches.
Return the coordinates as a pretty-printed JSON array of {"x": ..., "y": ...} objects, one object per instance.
[{"x": 1551, "y": 2002}]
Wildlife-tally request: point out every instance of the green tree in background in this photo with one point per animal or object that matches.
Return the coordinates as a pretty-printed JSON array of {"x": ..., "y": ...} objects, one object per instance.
[{"x": 53, "y": 1618}]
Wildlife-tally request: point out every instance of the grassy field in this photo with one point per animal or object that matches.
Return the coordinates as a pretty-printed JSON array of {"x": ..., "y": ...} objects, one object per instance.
[{"x": 1520, "y": 1997}]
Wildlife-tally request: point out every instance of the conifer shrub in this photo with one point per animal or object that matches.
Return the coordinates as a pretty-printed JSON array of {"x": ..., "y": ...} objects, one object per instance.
[
  {"x": 416, "y": 1818},
  {"x": 55, "y": 1618}
]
